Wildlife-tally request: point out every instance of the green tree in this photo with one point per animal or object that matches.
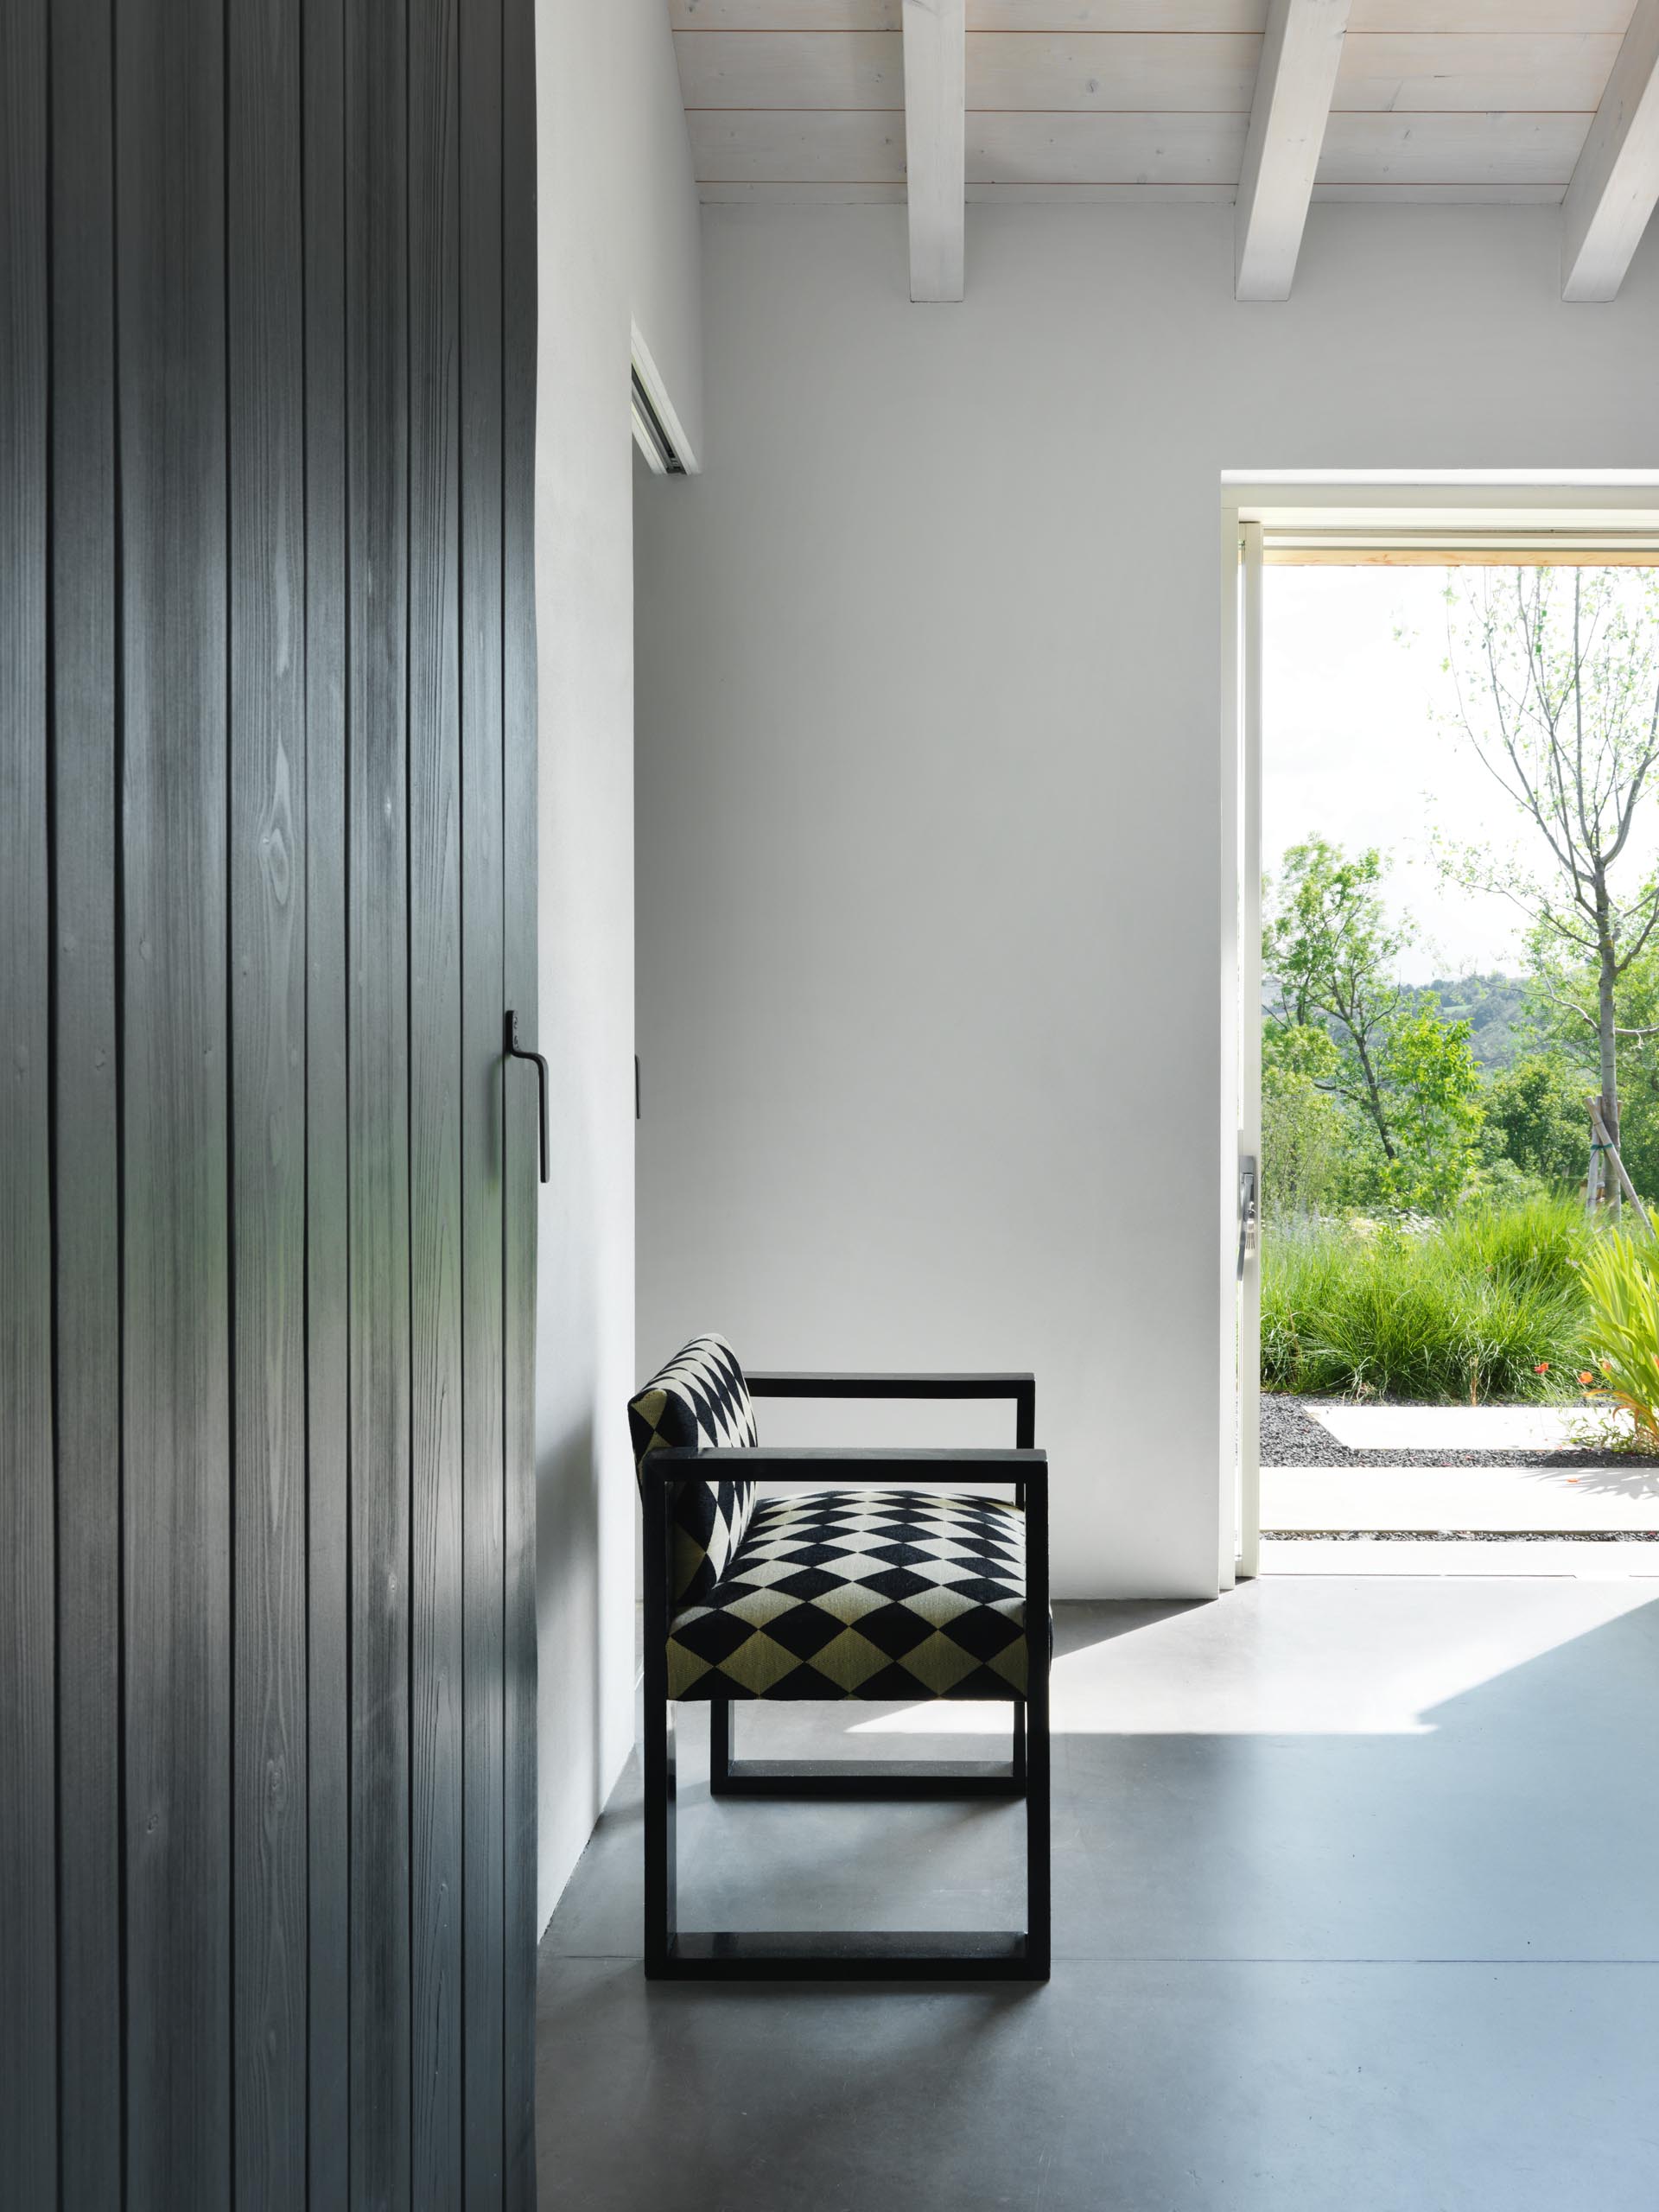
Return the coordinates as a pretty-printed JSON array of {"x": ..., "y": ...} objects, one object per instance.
[
  {"x": 1535, "y": 1117},
  {"x": 1638, "y": 1065},
  {"x": 1434, "y": 1087},
  {"x": 1328, "y": 950},
  {"x": 1557, "y": 679},
  {"x": 1307, "y": 1145}
]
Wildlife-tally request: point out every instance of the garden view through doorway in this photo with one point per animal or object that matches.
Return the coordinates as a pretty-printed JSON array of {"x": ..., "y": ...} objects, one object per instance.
[{"x": 1460, "y": 1058}]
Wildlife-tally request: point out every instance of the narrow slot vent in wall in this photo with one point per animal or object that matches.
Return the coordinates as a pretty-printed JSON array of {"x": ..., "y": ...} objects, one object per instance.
[{"x": 651, "y": 436}]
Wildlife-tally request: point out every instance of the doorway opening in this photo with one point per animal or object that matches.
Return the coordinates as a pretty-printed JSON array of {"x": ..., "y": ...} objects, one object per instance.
[{"x": 1448, "y": 1066}]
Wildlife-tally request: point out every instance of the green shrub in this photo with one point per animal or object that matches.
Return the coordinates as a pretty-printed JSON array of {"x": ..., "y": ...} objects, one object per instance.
[
  {"x": 1624, "y": 1295},
  {"x": 1500, "y": 1183},
  {"x": 1540, "y": 1242},
  {"x": 1488, "y": 1304}
]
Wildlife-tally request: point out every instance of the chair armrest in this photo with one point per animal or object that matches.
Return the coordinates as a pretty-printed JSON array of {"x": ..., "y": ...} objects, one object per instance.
[
  {"x": 1020, "y": 1389},
  {"x": 835, "y": 1464},
  {"x": 790, "y": 1382}
]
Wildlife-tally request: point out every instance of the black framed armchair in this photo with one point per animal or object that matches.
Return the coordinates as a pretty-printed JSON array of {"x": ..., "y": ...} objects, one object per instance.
[{"x": 850, "y": 1583}]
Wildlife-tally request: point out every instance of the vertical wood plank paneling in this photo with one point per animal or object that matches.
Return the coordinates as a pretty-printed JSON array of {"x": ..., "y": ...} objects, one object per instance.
[
  {"x": 434, "y": 1103},
  {"x": 483, "y": 1129},
  {"x": 519, "y": 730},
  {"x": 267, "y": 854},
  {"x": 170, "y": 259},
  {"x": 328, "y": 1383},
  {"x": 86, "y": 1199},
  {"x": 267, "y": 862},
  {"x": 377, "y": 367},
  {"x": 28, "y": 1755}
]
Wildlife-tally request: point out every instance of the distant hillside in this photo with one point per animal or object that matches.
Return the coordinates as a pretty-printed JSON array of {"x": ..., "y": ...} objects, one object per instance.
[
  {"x": 1501, "y": 1025},
  {"x": 1494, "y": 1006}
]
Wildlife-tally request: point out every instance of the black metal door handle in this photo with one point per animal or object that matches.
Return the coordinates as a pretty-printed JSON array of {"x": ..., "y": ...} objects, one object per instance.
[{"x": 517, "y": 1052}]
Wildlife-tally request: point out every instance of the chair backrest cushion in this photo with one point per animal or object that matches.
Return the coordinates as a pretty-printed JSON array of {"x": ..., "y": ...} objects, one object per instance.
[{"x": 698, "y": 1401}]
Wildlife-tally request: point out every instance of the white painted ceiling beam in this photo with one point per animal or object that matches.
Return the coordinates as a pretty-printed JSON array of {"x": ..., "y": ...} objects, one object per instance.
[
  {"x": 1616, "y": 182},
  {"x": 935, "y": 144},
  {"x": 1301, "y": 52}
]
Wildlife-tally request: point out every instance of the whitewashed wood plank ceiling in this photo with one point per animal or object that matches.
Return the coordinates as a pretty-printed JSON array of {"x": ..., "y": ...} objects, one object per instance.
[{"x": 1145, "y": 99}]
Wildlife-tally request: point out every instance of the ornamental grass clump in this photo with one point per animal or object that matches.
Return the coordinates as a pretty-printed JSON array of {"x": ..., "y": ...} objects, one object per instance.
[
  {"x": 1488, "y": 1306},
  {"x": 1623, "y": 1291}
]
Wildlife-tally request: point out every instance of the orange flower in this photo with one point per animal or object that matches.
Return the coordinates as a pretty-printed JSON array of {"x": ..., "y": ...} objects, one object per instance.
[
  {"x": 1541, "y": 1368},
  {"x": 1584, "y": 1376}
]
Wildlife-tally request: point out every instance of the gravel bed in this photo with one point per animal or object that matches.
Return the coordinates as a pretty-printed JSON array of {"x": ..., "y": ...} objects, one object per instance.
[{"x": 1291, "y": 1437}]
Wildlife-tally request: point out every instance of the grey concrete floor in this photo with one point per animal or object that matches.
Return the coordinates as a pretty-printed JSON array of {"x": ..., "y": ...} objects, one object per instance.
[{"x": 1356, "y": 1910}]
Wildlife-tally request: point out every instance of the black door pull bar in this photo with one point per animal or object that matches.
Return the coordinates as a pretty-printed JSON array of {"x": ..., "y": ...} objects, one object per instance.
[{"x": 517, "y": 1052}]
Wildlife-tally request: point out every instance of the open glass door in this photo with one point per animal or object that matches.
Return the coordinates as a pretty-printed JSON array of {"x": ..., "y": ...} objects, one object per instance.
[
  {"x": 1248, "y": 1263},
  {"x": 1314, "y": 521}
]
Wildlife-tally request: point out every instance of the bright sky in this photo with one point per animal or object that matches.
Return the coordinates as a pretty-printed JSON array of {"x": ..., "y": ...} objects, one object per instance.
[{"x": 1352, "y": 749}]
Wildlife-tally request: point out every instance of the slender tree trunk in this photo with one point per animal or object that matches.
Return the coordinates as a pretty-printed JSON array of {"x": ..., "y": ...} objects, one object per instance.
[
  {"x": 1373, "y": 1093},
  {"x": 1608, "y": 1041}
]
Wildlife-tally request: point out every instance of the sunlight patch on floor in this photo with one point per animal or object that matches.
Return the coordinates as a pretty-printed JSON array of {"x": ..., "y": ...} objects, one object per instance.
[{"x": 1388, "y": 1657}]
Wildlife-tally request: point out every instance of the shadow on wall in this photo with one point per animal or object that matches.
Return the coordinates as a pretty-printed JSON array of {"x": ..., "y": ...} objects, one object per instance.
[{"x": 567, "y": 1587}]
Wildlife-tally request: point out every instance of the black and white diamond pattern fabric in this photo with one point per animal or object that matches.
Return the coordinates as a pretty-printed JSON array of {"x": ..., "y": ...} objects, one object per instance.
[
  {"x": 878, "y": 1594},
  {"x": 699, "y": 1402}
]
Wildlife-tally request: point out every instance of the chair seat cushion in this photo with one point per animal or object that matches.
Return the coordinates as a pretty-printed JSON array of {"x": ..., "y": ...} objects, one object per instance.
[{"x": 878, "y": 1594}]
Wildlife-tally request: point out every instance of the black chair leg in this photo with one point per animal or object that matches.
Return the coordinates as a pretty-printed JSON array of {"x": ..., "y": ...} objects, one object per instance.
[
  {"x": 1039, "y": 1759},
  {"x": 719, "y": 1747},
  {"x": 1039, "y": 1907},
  {"x": 661, "y": 1858},
  {"x": 661, "y": 1869}
]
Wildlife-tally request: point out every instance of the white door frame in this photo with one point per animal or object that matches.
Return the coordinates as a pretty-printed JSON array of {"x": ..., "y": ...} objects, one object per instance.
[{"x": 1362, "y": 506}]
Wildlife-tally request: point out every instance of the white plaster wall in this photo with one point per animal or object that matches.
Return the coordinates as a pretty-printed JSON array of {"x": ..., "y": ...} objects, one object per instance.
[
  {"x": 618, "y": 220},
  {"x": 929, "y": 781}
]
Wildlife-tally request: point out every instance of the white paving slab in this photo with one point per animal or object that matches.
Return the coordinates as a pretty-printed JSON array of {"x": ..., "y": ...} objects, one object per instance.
[
  {"x": 1603, "y": 1500},
  {"x": 1458, "y": 1428},
  {"x": 1551, "y": 1557}
]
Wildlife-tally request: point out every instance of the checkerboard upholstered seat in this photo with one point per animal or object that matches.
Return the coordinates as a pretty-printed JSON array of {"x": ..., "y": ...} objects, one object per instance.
[{"x": 894, "y": 1594}]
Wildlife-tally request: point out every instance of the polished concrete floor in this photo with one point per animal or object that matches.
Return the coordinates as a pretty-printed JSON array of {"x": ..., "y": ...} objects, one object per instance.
[{"x": 1356, "y": 1910}]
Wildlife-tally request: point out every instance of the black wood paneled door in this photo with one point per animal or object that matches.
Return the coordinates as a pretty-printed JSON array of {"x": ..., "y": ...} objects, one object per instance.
[{"x": 267, "y": 1185}]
